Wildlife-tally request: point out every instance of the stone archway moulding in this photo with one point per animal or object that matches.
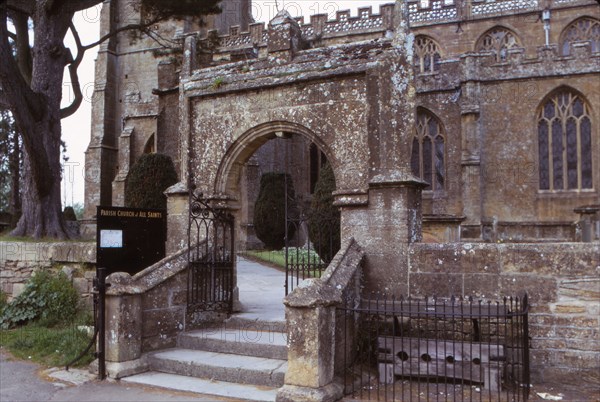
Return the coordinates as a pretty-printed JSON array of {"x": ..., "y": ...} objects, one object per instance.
[{"x": 249, "y": 142}]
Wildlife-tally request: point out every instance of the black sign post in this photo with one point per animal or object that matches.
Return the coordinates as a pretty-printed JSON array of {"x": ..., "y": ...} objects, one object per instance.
[
  {"x": 130, "y": 239},
  {"x": 127, "y": 240}
]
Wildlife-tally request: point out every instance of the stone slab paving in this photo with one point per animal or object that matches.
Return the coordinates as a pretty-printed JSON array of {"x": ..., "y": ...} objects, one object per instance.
[{"x": 261, "y": 291}]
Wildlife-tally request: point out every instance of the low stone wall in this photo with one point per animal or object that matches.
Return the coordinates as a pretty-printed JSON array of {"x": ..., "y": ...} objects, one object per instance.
[
  {"x": 561, "y": 279},
  {"x": 18, "y": 260}
]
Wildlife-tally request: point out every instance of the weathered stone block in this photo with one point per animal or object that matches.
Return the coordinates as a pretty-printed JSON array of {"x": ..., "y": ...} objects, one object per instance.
[
  {"x": 163, "y": 322},
  {"x": 123, "y": 327},
  {"x": 310, "y": 350},
  {"x": 442, "y": 285},
  {"x": 541, "y": 290},
  {"x": 483, "y": 286},
  {"x": 385, "y": 273},
  {"x": 82, "y": 285}
]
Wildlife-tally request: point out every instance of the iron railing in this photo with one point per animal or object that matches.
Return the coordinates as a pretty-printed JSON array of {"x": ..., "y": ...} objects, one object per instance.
[
  {"x": 310, "y": 258},
  {"x": 210, "y": 257},
  {"x": 435, "y": 349}
]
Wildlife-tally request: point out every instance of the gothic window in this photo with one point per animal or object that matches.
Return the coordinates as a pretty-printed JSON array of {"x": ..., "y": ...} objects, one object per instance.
[
  {"x": 565, "y": 143},
  {"x": 150, "y": 147},
  {"x": 583, "y": 29},
  {"x": 498, "y": 41},
  {"x": 428, "y": 150},
  {"x": 426, "y": 55}
]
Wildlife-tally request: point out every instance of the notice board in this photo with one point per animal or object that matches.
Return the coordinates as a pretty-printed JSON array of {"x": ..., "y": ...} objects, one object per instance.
[{"x": 129, "y": 239}]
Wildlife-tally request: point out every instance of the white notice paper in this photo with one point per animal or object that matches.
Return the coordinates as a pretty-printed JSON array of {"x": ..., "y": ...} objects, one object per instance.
[{"x": 111, "y": 238}]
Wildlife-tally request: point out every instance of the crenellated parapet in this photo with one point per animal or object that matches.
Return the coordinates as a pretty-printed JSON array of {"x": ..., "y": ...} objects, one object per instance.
[
  {"x": 367, "y": 25},
  {"x": 483, "y": 67},
  {"x": 319, "y": 29}
]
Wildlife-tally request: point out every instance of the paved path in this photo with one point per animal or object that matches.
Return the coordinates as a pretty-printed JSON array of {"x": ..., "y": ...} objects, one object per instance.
[
  {"x": 22, "y": 381},
  {"x": 261, "y": 291}
]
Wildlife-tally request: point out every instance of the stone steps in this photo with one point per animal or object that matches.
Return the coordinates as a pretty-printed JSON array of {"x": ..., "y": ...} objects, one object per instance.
[
  {"x": 244, "y": 359},
  {"x": 238, "y": 341}
]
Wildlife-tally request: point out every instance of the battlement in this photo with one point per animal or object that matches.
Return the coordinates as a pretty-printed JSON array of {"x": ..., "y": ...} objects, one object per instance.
[
  {"x": 368, "y": 25},
  {"x": 485, "y": 67},
  {"x": 319, "y": 28}
]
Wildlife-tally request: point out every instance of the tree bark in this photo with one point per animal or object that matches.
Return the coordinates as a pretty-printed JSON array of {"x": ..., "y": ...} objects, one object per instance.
[
  {"x": 39, "y": 123},
  {"x": 14, "y": 168}
]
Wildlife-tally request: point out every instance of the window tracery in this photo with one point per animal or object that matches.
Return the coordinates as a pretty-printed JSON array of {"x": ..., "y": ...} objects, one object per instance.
[
  {"x": 428, "y": 150},
  {"x": 565, "y": 143},
  {"x": 426, "y": 55},
  {"x": 498, "y": 41},
  {"x": 583, "y": 29}
]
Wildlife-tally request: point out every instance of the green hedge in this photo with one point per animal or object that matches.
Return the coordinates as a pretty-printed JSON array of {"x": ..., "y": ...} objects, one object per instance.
[
  {"x": 269, "y": 210},
  {"x": 324, "y": 222},
  {"x": 151, "y": 175}
]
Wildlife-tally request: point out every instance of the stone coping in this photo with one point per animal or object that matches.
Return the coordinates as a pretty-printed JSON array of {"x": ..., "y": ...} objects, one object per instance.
[
  {"x": 329, "y": 289},
  {"x": 123, "y": 283},
  {"x": 31, "y": 251}
]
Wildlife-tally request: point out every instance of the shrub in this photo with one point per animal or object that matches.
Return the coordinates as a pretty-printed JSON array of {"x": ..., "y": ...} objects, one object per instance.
[
  {"x": 324, "y": 222},
  {"x": 151, "y": 175},
  {"x": 269, "y": 210},
  {"x": 3, "y": 302},
  {"x": 69, "y": 214},
  {"x": 48, "y": 298}
]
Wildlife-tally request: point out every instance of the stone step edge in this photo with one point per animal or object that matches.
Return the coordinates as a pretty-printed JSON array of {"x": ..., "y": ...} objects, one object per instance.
[
  {"x": 242, "y": 392},
  {"x": 208, "y": 366},
  {"x": 241, "y": 323},
  {"x": 271, "y": 345}
]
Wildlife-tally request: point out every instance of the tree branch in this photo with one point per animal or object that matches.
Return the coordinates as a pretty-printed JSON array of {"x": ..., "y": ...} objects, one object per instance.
[
  {"x": 129, "y": 27},
  {"x": 22, "y": 6},
  {"x": 73, "y": 6},
  {"x": 21, "y": 38},
  {"x": 16, "y": 89},
  {"x": 73, "y": 66}
]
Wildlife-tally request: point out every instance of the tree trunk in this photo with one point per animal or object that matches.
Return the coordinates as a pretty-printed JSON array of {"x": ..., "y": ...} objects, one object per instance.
[
  {"x": 41, "y": 204},
  {"x": 14, "y": 167}
]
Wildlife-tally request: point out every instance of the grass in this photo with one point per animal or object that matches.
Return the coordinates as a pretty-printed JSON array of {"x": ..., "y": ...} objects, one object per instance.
[
  {"x": 277, "y": 257},
  {"x": 5, "y": 236},
  {"x": 55, "y": 346}
]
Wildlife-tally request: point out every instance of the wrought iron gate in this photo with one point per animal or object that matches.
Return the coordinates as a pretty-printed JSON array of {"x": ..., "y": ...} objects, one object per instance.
[
  {"x": 210, "y": 257},
  {"x": 316, "y": 241}
]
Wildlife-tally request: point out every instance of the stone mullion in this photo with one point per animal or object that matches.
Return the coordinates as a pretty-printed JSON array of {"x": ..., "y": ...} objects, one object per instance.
[
  {"x": 565, "y": 165},
  {"x": 550, "y": 157},
  {"x": 579, "y": 154}
]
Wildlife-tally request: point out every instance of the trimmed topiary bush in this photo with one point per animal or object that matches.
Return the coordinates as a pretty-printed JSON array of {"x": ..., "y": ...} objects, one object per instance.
[
  {"x": 324, "y": 222},
  {"x": 151, "y": 175},
  {"x": 269, "y": 210}
]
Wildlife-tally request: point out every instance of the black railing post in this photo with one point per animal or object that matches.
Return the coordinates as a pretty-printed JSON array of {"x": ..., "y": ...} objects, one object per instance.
[{"x": 101, "y": 285}]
